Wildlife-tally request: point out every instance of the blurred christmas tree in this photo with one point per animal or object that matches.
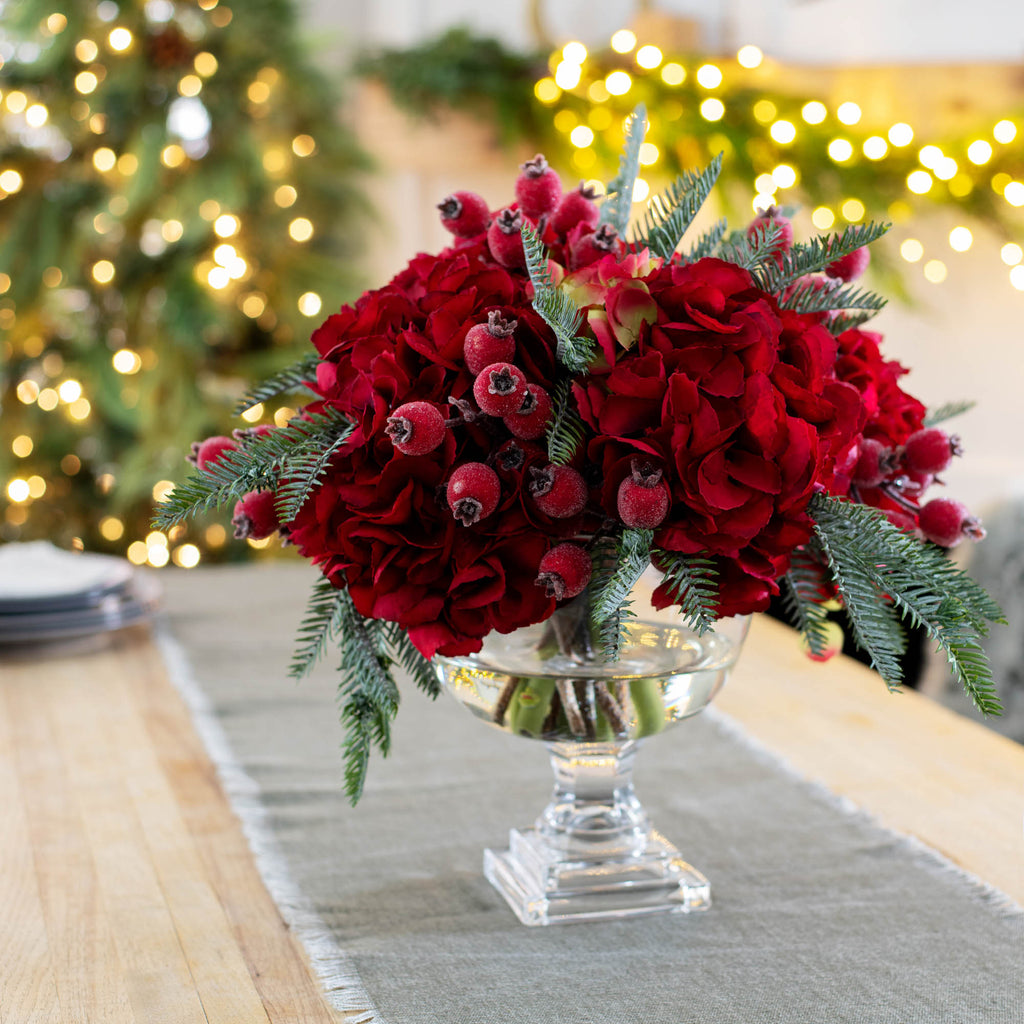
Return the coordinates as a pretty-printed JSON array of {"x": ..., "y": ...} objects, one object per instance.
[{"x": 175, "y": 199}]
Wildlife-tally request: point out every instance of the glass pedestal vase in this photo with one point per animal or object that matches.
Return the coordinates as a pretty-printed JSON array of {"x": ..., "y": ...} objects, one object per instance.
[{"x": 592, "y": 853}]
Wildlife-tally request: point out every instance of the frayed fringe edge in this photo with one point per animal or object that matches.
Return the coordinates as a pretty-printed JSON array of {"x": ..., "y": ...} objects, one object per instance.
[
  {"x": 921, "y": 853},
  {"x": 337, "y": 973}
]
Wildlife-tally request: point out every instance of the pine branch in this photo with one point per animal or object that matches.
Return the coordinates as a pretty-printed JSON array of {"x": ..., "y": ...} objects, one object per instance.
[
  {"x": 708, "y": 242},
  {"x": 810, "y": 257},
  {"x": 812, "y": 297},
  {"x": 947, "y": 412},
  {"x": 403, "y": 652},
  {"x": 256, "y": 465},
  {"x": 615, "y": 575},
  {"x": 801, "y": 598},
  {"x": 295, "y": 377},
  {"x": 367, "y": 690},
  {"x": 926, "y": 588},
  {"x": 565, "y": 428},
  {"x": 321, "y": 624},
  {"x": 756, "y": 250},
  {"x": 670, "y": 214},
  {"x": 556, "y": 307},
  {"x": 844, "y": 321},
  {"x": 306, "y": 471},
  {"x": 618, "y": 203},
  {"x": 692, "y": 586}
]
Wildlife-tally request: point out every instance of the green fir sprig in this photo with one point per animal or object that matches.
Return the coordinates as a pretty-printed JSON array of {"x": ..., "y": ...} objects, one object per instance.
[
  {"x": 755, "y": 249},
  {"x": 616, "y": 571},
  {"x": 692, "y": 585},
  {"x": 708, "y": 242},
  {"x": 565, "y": 431},
  {"x": 293, "y": 378},
  {"x": 812, "y": 296},
  {"x": 671, "y": 213},
  {"x": 618, "y": 202},
  {"x": 320, "y": 625},
  {"x": 947, "y": 411},
  {"x": 815, "y": 255},
  {"x": 802, "y": 600},
  {"x": 258, "y": 464},
  {"x": 879, "y": 568}
]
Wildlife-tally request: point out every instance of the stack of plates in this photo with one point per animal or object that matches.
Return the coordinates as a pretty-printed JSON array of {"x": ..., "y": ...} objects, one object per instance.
[{"x": 49, "y": 594}]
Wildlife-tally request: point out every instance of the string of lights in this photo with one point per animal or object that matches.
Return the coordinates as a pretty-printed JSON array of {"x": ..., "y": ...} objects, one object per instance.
[
  {"x": 165, "y": 236},
  {"x": 780, "y": 148}
]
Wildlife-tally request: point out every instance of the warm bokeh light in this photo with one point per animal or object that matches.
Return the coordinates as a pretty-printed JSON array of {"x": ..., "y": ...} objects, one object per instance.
[
  {"x": 567, "y": 75},
  {"x": 187, "y": 556},
  {"x": 783, "y": 132},
  {"x": 119, "y": 40},
  {"x": 1017, "y": 278},
  {"x": 111, "y": 528},
  {"x": 979, "y": 152},
  {"x": 875, "y": 147},
  {"x": 581, "y": 136},
  {"x": 749, "y": 56},
  {"x": 301, "y": 229},
  {"x": 126, "y": 361},
  {"x": 649, "y": 57},
  {"x": 22, "y": 446},
  {"x": 574, "y": 52},
  {"x": 784, "y": 176},
  {"x": 309, "y": 304},
  {"x": 823, "y": 218},
  {"x": 840, "y": 150},
  {"x": 919, "y": 182},
  {"x": 1011, "y": 254},
  {"x": 852, "y": 210},
  {"x": 709, "y": 76},
  {"x": 226, "y": 225},
  {"x": 285, "y": 196},
  {"x": 901, "y": 134},
  {"x": 813, "y": 112},
  {"x": 1004, "y": 132},
  {"x": 618, "y": 83},
  {"x": 712, "y": 109},
  {"x": 935, "y": 271},
  {"x": 623, "y": 41},
  {"x": 547, "y": 91},
  {"x": 848, "y": 113},
  {"x": 673, "y": 74},
  {"x": 253, "y": 414},
  {"x": 103, "y": 272},
  {"x": 641, "y": 190},
  {"x": 960, "y": 239},
  {"x": 303, "y": 145},
  {"x": 911, "y": 250},
  {"x": 765, "y": 111}
]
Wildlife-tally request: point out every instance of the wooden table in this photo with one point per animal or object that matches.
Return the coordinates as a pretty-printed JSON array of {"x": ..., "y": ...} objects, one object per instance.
[{"x": 128, "y": 892}]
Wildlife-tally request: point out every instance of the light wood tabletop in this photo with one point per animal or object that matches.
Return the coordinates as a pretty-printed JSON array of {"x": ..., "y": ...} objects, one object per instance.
[{"x": 129, "y": 894}]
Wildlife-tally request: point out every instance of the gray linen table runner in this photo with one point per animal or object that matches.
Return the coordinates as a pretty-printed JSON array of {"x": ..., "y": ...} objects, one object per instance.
[{"x": 819, "y": 915}]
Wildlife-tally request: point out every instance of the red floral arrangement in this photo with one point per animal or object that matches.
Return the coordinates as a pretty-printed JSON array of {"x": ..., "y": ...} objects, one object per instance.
[{"x": 545, "y": 408}]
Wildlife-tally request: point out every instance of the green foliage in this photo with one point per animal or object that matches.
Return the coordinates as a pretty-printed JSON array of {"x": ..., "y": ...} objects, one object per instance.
[
  {"x": 874, "y": 562},
  {"x": 555, "y": 306},
  {"x": 404, "y": 653},
  {"x": 295, "y": 377},
  {"x": 708, "y": 242},
  {"x": 320, "y": 625},
  {"x": 947, "y": 412},
  {"x": 195, "y": 344},
  {"x": 692, "y": 586},
  {"x": 615, "y": 573},
  {"x": 565, "y": 431},
  {"x": 810, "y": 257},
  {"x": 812, "y": 297},
  {"x": 754, "y": 250},
  {"x": 801, "y": 599},
  {"x": 618, "y": 203},
  {"x": 305, "y": 468},
  {"x": 367, "y": 692},
  {"x": 670, "y": 214},
  {"x": 258, "y": 464}
]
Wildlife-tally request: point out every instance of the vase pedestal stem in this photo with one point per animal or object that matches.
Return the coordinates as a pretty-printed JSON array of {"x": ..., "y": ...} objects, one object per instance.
[{"x": 592, "y": 853}]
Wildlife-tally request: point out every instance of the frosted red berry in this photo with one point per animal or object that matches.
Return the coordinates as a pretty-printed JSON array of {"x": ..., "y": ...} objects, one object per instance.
[
  {"x": 465, "y": 214},
  {"x": 416, "y": 428},
  {"x": 210, "y": 450},
  {"x": 492, "y": 342},
  {"x": 850, "y": 266},
  {"x": 946, "y": 522},
  {"x": 473, "y": 492},
  {"x": 558, "y": 491},
  {"x": 586, "y": 246},
  {"x": 530, "y": 420},
  {"x": 499, "y": 389},
  {"x": 564, "y": 571},
  {"x": 643, "y": 497},
  {"x": 255, "y": 517},
  {"x": 538, "y": 187},
  {"x": 504, "y": 238},
  {"x": 576, "y": 207},
  {"x": 874, "y": 463},
  {"x": 931, "y": 450},
  {"x": 773, "y": 216}
]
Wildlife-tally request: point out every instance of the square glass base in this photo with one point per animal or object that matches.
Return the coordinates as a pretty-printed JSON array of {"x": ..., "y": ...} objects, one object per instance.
[{"x": 543, "y": 887}]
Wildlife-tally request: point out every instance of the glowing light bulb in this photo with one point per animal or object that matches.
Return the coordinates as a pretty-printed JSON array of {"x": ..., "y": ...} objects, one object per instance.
[
  {"x": 104, "y": 159},
  {"x": 623, "y": 41},
  {"x": 749, "y": 57},
  {"x": 709, "y": 76},
  {"x": 783, "y": 132},
  {"x": 840, "y": 150},
  {"x": 18, "y": 490}
]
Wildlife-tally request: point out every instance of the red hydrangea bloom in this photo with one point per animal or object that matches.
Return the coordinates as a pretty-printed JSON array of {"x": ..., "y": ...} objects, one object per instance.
[
  {"x": 737, "y": 400},
  {"x": 377, "y": 524}
]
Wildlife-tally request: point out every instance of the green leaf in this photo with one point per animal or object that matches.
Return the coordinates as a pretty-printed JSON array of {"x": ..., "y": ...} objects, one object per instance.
[
  {"x": 305, "y": 472},
  {"x": 670, "y": 214},
  {"x": 618, "y": 203},
  {"x": 926, "y": 588},
  {"x": 320, "y": 625},
  {"x": 295, "y": 377},
  {"x": 947, "y": 412},
  {"x": 692, "y": 586},
  {"x": 708, "y": 242},
  {"x": 258, "y": 464},
  {"x": 565, "y": 431},
  {"x": 616, "y": 572},
  {"x": 812, "y": 296},
  {"x": 810, "y": 257},
  {"x": 403, "y": 652},
  {"x": 555, "y": 306},
  {"x": 801, "y": 598}
]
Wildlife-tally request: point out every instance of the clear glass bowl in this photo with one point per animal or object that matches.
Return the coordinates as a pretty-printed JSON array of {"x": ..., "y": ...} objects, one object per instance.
[{"x": 592, "y": 852}]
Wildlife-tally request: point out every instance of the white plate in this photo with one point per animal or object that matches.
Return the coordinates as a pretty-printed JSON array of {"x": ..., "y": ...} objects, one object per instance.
[{"x": 40, "y": 577}]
